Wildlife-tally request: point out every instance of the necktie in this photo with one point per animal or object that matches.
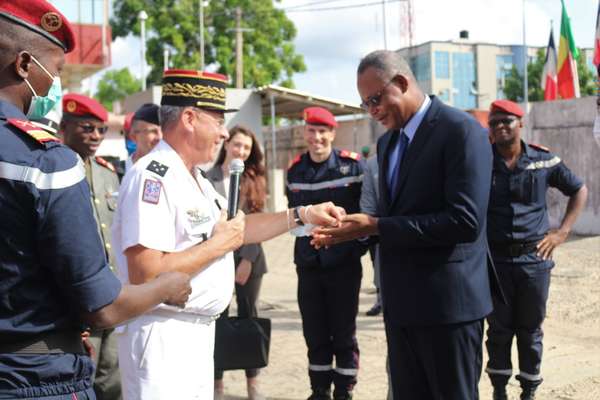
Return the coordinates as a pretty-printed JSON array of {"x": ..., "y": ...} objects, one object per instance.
[{"x": 395, "y": 161}]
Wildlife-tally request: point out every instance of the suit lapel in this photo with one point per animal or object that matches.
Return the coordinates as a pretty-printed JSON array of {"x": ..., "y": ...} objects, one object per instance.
[
  {"x": 415, "y": 148},
  {"x": 383, "y": 161}
]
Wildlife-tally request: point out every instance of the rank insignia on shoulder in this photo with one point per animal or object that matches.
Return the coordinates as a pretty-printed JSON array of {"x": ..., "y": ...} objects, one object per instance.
[
  {"x": 350, "y": 154},
  {"x": 158, "y": 168},
  {"x": 344, "y": 169},
  {"x": 539, "y": 147},
  {"x": 105, "y": 164},
  {"x": 32, "y": 130},
  {"x": 152, "y": 191}
]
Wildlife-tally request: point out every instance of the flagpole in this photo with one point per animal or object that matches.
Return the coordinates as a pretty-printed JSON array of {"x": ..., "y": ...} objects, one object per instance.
[{"x": 525, "y": 88}]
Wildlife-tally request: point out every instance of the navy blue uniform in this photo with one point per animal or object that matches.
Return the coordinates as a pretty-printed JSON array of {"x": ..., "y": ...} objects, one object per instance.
[
  {"x": 517, "y": 221},
  {"x": 52, "y": 262},
  {"x": 328, "y": 279}
]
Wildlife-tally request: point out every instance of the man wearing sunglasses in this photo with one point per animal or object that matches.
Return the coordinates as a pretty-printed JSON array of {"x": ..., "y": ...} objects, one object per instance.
[
  {"x": 522, "y": 243},
  {"x": 435, "y": 166},
  {"x": 83, "y": 127}
]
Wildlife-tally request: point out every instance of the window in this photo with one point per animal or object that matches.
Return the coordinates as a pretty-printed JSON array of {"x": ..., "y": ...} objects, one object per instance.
[
  {"x": 421, "y": 67},
  {"x": 444, "y": 95},
  {"x": 463, "y": 80},
  {"x": 504, "y": 65},
  {"x": 442, "y": 65}
]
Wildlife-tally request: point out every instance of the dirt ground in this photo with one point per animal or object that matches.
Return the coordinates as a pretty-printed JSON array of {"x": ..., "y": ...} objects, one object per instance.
[{"x": 571, "y": 364}]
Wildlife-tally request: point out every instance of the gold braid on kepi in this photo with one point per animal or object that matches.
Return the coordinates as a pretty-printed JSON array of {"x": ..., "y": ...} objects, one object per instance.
[{"x": 188, "y": 88}]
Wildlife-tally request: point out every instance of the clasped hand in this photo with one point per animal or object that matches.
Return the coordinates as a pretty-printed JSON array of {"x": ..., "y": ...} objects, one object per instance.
[{"x": 350, "y": 227}]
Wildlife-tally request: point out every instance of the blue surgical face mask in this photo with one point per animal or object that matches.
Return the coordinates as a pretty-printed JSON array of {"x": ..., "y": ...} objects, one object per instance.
[
  {"x": 131, "y": 146},
  {"x": 41, "y": 105}
]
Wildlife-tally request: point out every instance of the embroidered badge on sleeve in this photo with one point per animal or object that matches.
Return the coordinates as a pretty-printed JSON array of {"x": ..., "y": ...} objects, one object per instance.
[{"x": 152, "y": 190}]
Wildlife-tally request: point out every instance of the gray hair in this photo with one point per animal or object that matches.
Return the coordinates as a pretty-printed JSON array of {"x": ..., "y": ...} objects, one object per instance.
[
  {"x": 168, "y": 115},
  {"x": 388, "y": 64}
]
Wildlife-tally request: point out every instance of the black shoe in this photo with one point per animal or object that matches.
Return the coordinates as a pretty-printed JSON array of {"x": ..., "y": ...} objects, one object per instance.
[
  {"x": 375, "y": 310},
  {"x": 320, "y": 394},
  {"x": 528, "y": 387},
  {"x": 342, "y": 396}
]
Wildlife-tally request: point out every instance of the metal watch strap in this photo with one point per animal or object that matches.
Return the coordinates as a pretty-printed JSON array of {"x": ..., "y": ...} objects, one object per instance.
[{"x": 296, "y": 215}]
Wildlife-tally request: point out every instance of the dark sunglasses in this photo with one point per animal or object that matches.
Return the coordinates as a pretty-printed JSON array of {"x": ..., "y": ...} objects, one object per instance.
[
  {"x": 505, "y": 121},
  {"x": 88, "y": 128},
  {"x": 375, "y": 100}
]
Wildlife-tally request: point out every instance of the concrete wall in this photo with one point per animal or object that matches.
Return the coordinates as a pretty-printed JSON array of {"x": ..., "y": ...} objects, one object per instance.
[{"x": 565, "y": 126}]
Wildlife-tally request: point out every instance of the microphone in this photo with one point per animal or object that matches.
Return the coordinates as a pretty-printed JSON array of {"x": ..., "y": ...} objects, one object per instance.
[{"x": 236, "y": 168}]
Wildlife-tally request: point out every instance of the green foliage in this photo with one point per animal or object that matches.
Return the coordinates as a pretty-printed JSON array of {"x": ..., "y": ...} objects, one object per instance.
[
  {"x": 269, "y": 53},
  {"x": 513, "y": 87},
  {"x": 116, "y": 85}
]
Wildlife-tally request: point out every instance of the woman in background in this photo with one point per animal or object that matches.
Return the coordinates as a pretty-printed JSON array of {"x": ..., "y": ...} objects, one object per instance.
[{"x": 250, "y": 262}]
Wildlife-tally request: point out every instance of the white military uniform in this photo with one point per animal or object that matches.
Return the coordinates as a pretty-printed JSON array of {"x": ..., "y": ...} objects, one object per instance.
[{"x": 167, "y": 353}]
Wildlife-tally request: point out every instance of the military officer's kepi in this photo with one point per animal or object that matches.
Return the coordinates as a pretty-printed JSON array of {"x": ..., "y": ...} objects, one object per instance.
[
  {"x": 188, "y": 88},
  {"x": 507, "y": 107},
  {"x": 319, "y": 116},
  {"x": 41, "y": 17},
  {"x": 83, "y": 106}
]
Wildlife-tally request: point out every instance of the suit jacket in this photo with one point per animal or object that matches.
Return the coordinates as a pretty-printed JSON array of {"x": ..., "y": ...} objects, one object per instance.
[
  {"x": 104, "y": 191},
  {"x": 251, "y": 252},
  {"x": 432, "y": 231}
]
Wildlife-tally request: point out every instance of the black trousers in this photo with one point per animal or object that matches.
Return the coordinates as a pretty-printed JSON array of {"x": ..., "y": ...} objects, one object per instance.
[
  {"x": 246, "y": 297},
  {"x": 436, "y": 362},
  {"x": 526, "y": 290},
  {"x": 328, "y": 300}
]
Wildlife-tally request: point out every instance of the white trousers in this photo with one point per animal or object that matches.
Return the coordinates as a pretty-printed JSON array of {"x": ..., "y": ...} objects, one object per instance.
[{"x": 163, "y": 358}]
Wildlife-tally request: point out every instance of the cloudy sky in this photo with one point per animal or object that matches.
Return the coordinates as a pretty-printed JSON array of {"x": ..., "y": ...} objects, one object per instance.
[{"x": 333, "y": 41}]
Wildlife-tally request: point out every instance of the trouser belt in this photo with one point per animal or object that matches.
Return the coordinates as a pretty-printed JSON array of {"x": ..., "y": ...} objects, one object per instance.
[
  {"x": 55, "y": 342},
  {"x": 514, "y": 249}
]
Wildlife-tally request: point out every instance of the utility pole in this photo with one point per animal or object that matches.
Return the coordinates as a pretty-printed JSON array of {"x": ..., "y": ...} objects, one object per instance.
[
  {"x": 201, "y": 22},
  {"x": 239, "y": 48},
  {"x": 525, "y": 56},
  {"x": 385, "y": 46},
  {"x": 143, "y": 16}
]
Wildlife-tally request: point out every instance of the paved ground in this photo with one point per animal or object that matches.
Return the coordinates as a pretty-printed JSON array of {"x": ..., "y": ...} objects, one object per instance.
[{"x": 571, "y": 365}]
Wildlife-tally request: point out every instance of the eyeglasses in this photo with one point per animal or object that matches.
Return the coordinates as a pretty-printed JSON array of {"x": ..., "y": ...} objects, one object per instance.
[
  {"x": 89, "y": 128},
  {"x": 375, "y": 100},
  {"x": 504, "y": 121}
]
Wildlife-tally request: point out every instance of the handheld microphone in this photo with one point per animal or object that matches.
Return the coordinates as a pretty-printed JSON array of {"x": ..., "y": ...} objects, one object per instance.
[{"x": 236, "y": 168}]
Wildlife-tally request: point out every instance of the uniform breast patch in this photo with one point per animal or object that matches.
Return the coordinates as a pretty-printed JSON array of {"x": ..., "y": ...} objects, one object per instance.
[
  {"x": 152, "y": 190},
  {"x": 157, "y": 168}
]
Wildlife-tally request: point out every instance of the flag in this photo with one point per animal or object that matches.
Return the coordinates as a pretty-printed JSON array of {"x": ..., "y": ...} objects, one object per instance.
[
  {"x": 568, "y": 81},
  {"x": 597, "y": 39},
  {"x": 549, "y": 82}
]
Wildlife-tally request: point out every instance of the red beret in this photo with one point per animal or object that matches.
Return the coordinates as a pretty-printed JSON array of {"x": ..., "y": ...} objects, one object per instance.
[
  {"x": 128, "y": 121},
  {"x": 319, "y": 116},
  {"x": 78, "y": 104},
  {"x": 40, "y": 17},
  {"x": 507, "y": 107}
]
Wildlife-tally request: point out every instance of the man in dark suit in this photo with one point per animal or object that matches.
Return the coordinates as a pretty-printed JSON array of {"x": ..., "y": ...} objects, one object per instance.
[{"x": 435, "y": 163}]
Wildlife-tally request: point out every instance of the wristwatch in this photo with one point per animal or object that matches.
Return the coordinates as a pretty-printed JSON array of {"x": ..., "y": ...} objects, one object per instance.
[{"x": 296, "y": 215}]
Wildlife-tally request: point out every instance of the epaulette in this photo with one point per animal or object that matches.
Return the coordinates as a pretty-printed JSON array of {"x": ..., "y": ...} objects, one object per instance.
[
  {"x": 539, "y": 147},
  {"x": 158, "y": 168},
  {"x": 105, "y": 164},
  {"x": 40, "y": 135},
  {"x": 295, "y": 161},
  {"x": 350, "y": 154}
]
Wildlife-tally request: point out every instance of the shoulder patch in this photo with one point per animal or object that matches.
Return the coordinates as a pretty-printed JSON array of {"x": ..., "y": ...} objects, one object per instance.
[
  {"x": 105, "y": 164},
  {"x": 152, "y": 191},
  {"x": 158, "y": 168},
  {"x": 539, "y": 147},
  {"x": 350, "y": 154},
  {"x": 32, "y": 130}
]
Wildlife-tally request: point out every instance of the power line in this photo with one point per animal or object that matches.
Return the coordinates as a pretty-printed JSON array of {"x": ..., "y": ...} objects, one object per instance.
[
  {"x": 312, "y": 4},
  {"x": 374, "y": 3}
]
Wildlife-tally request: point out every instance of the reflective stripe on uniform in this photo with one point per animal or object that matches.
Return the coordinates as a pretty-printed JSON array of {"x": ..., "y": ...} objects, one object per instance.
[
  {"x": 530, "y": 377},
  {"x": 347, "y": 371},
  {"x": 325, "y": 184},
  {"x": 544, "y": 164},
  {"x": 43, "y": 180},
  {"x": 315, "y": 367},
  {"x": 491, "y": 371}
]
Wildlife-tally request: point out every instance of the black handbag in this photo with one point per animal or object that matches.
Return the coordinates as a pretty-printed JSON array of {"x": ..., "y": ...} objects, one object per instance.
[{"x": 242, "y": 343}]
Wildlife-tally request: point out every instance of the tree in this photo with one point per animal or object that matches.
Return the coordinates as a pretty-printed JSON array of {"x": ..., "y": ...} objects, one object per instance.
[
  {"x": 116, "y": 85},
  {"x": 269, "y": 53},
  {"x": 513, "y": 86}
]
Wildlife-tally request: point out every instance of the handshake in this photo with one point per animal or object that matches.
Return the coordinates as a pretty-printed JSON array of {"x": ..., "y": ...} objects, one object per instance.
[{"x": 334, "y": 226}]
